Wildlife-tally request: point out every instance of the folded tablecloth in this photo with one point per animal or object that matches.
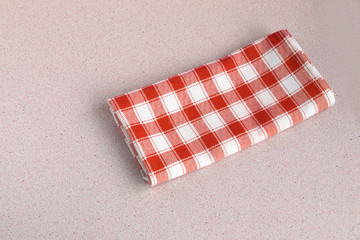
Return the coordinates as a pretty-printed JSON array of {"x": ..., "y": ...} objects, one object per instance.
[{"x": 196, "y": 118}]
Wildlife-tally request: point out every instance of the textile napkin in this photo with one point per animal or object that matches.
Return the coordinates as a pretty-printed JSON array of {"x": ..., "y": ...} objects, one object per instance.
[{"x": 198, "y": 117}]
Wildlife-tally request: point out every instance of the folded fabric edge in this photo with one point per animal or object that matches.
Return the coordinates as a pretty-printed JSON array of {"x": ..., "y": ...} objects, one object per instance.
[
  {"x": 330, "y": 96},
  {"x": 130, "y": 142}
]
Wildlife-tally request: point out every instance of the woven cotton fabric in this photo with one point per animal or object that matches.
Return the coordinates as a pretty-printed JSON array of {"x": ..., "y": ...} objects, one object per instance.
[{"x": 196, "y": 118}]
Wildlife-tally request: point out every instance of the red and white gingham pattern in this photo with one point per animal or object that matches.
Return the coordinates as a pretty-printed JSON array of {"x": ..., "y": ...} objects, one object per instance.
[{"x": 193, "y": 119}]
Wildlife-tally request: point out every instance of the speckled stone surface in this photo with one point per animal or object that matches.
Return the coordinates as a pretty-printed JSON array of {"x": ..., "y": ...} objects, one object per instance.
[{"x": 66, "y": 172}]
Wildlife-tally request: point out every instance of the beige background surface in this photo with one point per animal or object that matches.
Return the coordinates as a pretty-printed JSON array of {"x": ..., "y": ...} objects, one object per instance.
[{"x": 66, "y": 173}]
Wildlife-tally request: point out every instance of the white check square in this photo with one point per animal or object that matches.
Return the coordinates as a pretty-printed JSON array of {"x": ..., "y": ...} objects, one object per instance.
[
  {"x": 213, "y": 121},
  {"x": 294, "y": 44},
  {"x": 312, "y": 70},
  {"x": 160, "y": 142},
  {"x": 240, "y": 110},
  {"x": 330, "y": 97},
  {"x": 197, "y": 93},
  {"x": 144, "y": 112},
  {"x": 203, "y": 159},
  {"x": 231, "y": 147},
  {"x": 187, "y": 132},
  {"x": 309, "y": 109},
  {"x": 272, "y": 59},
  {"x": 176, "y": 170},
  {"x": 290, "y": 84},
  {"x": 266, "y": 98},
  {"x": 223, "y": 83},
  {"x": 258, "y": 135},
  {"x": 171, "y": 102},
  {"x": 284, "y": 122},
  {"x": 248, "y": 72}
]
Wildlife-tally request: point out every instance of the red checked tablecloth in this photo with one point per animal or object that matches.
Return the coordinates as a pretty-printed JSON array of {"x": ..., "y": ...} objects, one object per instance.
[{"x": 196, "y": 118}]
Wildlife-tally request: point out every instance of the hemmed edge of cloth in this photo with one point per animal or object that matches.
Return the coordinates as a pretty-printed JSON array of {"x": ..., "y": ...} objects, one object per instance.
[
  {"x": 329, "y": 95},
  {"x": 130, "y": 143}
]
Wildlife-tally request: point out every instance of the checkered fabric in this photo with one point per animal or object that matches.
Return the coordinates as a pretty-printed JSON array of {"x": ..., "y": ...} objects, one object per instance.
[{"x": 196, "y": 118}]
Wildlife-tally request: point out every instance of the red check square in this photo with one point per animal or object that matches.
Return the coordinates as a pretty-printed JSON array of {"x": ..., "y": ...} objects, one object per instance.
[
  {"x": 123, "y": 102},
  {"x": 269, "y": 79},
  {"x": 150, "y": 92},
  {"x": 275, "y": 38},
  {"x": 218, "y": 102},
  {"x": 236, "y": 128},
  {"x": 244, "y": 91},
  {"x": 209, "y": 140},
  {"x": 252, "y": 53},
  {"x": 288, "y": 104},
  {"x": 139, "y": 131},
  {"x": 228, "y": 63},
  {"x": 262, "y": 117},
  {"x": 191, "y": 113},
  {"x": 293, "y": 63},
  {"x": 203, "y": 73},
  {"x": 155, "y": 163},
  {"x": 183, "y": 152},
  {"x": 165, "y": 123},
  {"x": 176, "y": 83},
  {"x": 312, "y": 90}
]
